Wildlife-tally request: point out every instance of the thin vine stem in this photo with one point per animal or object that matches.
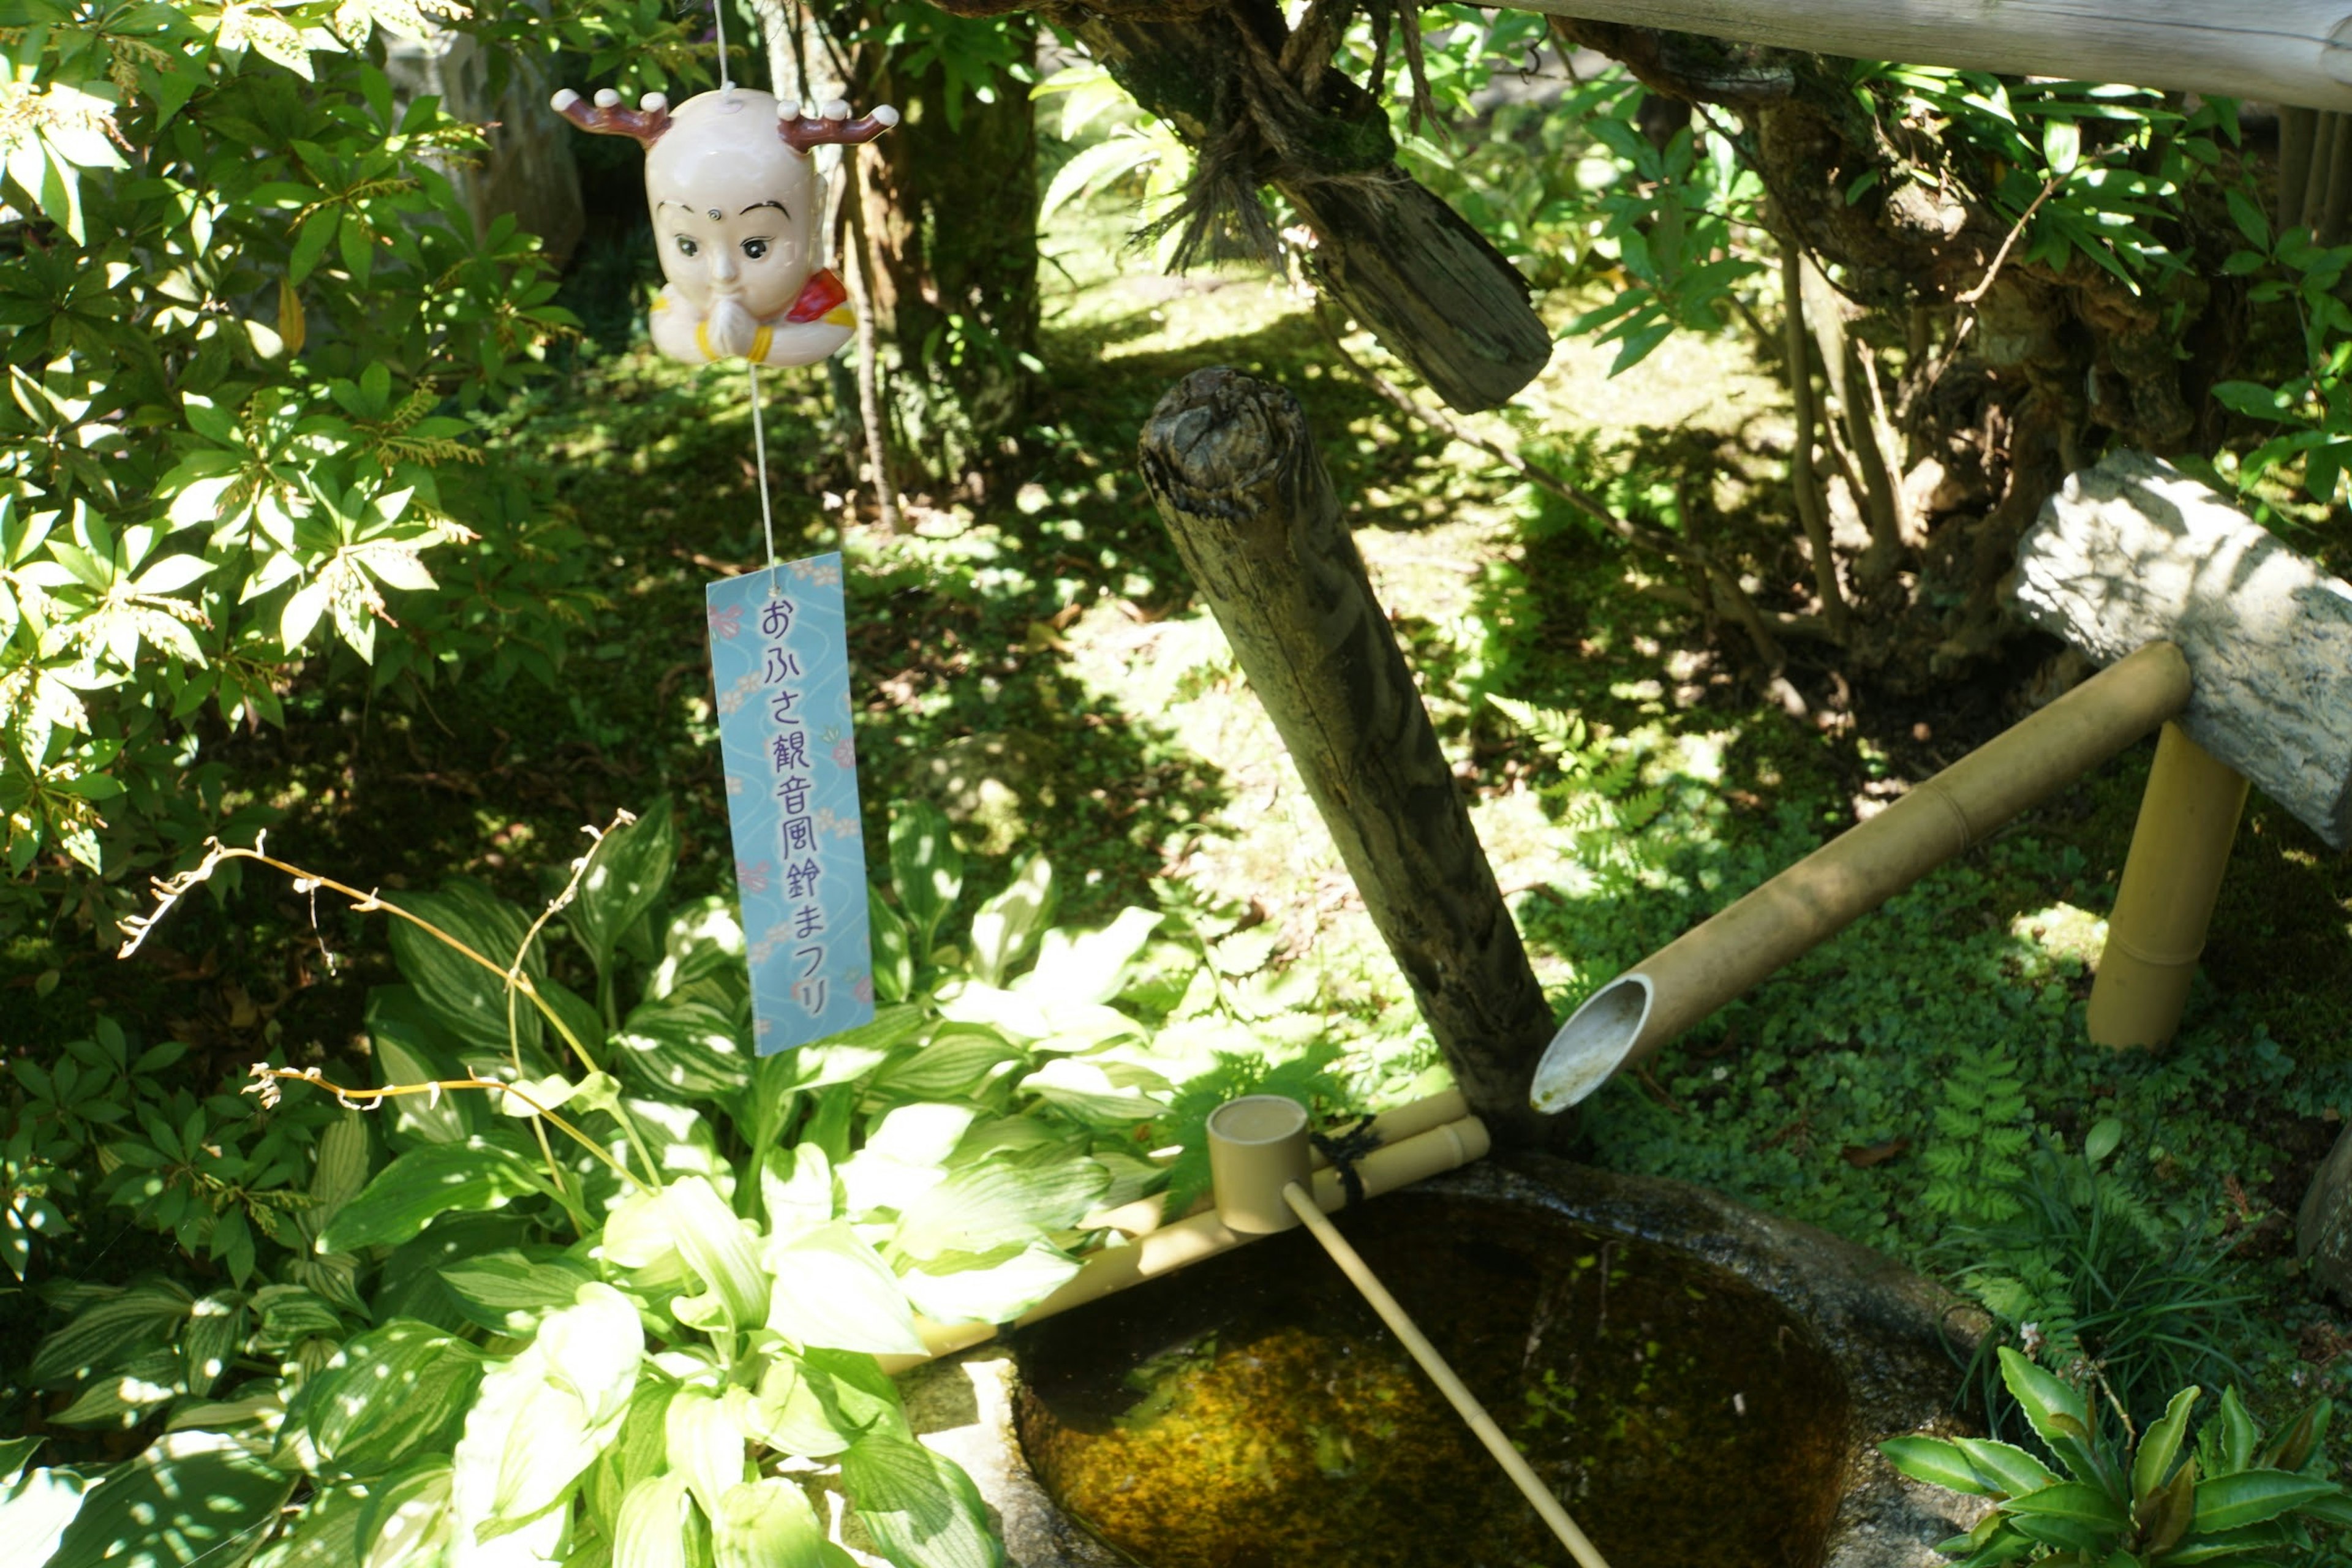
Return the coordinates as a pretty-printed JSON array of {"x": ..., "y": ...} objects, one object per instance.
[{"x": 265, "y": 1079}]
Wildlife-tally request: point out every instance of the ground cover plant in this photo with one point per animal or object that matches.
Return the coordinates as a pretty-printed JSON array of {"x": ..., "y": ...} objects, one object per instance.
[{"x": 1039, "y": 687}]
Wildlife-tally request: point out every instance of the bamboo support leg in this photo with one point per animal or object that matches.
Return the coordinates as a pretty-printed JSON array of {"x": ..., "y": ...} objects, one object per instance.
[{"x": 2171, "y": 879}]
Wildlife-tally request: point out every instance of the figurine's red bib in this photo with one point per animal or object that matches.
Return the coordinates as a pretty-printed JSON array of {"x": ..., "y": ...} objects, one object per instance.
[{"x": 821, "y": 294}]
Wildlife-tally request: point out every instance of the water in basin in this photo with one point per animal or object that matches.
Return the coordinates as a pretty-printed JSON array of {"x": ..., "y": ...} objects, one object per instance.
[{"x": 1251, "y": 1412}]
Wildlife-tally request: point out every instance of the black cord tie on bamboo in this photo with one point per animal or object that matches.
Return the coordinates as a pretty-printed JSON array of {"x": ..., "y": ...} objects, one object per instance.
[{"x": 1343, "y": 1149}]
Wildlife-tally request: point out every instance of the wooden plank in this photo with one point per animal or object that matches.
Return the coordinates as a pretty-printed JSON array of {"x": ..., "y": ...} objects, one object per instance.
[{"x": 2281, "y": 51}]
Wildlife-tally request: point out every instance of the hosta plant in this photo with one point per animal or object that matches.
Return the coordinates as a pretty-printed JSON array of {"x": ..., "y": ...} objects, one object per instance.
[
  {"x": 583, "y": 1281},
  {"x": 2159, "y": 1502}
]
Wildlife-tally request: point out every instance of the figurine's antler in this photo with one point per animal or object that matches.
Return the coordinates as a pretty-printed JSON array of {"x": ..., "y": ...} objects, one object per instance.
[
  {"x": 830, "y": 123},
  {"x": 646, "y": 123}
]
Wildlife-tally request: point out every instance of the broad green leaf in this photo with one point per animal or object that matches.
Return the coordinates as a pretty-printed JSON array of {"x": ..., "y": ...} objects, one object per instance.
[
  {"x": 922, "y": 1511},
  {"x": 35, "y": 1509},
  {"x": 2277, "y": 1536},
  {"x": 107, "y": 1331},
  {"x": 796, "y": 1188},
  {"x": 926, "y": 870},
  {"x": 408, "y": 1523},
  {"x": 1933, "y": 1460},
  {"x": 407, "y": 1046},
  {"x": 509, "y": 1290},
  {"x": 192, "y": 1496},
  {"x": 326, "y": 1533},
  {"x": 408, "y": 1194},
  {"x": 342, "y": 1164},
  {"x": 15, "y": 1453},
  {"x": 543, "y": 1416},
  {"x": 2253, "y": 1496},
  {"x": 217, "y": 1327},
  {"x": 704, "y": 1443},
  {"x": 651, "y": 1530},
  {"x": 719, "y": 1247},
  {"x": 1090, "y": 966},
  {"x": 2152, "y": 1466},
  {"x": 952, "y": 1065},
  {"x": 627, "y": 870},
  {"x": 832, "y": 1291},
  {"x": 2054, "y": 1410},
  {"x": 797, "y": 1409},
  {"x": 682, "y": 1047},
  {"x": 464, "y": 997},
  {"x": 985, "y": 1205},
  {"x": 2008, "y": 1469},
  {"x": 2076, "y": 1502},
  {"x": 124, "y": 1394},
  {"x": 2237, "y": 1435},
  {"x": 1004, "y": 927},
  {"x": 990, "y": 1288},
  {"x": 894, "y": 956},
  {"x": 768, "y": 1523},
  {"x": 394, "y": 1393}
]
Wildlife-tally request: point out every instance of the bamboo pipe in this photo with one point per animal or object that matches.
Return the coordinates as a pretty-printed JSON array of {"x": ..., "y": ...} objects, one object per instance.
[
  {"x": 1171, "y": 1247},
  {"x": 1146, "y": 1215},
  {"x": 1630, "y": 1018},
  {"x": 2172, "y": 878},
  {"x": 1466, "y": 1404}
]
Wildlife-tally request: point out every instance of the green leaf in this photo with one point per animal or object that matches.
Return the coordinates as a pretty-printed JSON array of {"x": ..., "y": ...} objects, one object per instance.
[
  {"x": 407, "y": 1194},
  {"x": 926, "y": 870},
  {"x": 627, "y": 870},
  {"x": 326, "y": 1533},
  {"x": 1090, "y": 967},
  {"x": 111, "y": 1331},
  {"x": 1004, "y": 928},
  {"x": 192, "y": 1496},
  {"x": 2253, "y": 1496},
  {"x": 2152, "y": 1466},
  {"x": 719, "y": 1247},
  {"x": 2237, "y": 1433},
  {"x": 922, "y": 1511},
  {"x": 951, "y": 1065},
  {"x": 507, "y": 1291},
  {"x": 408, "y": 1522},
  {"x": 464, "y": 997},
  {"x": 768, "y": 1523},
  {"x": 704, "y": 1443},
  {"x": 687, "y": 1049},
  {"x": 125, "y": 1394},
  {"x": 543, "y": 1417},
  {"x": 832, "y": 1291},
  {"x": 651, "y": 1530},
  {"x": 394, "y": 1393},
  {"x": 2006, "y": 1468},
  {"x": 997, "y": 1201},
  {"x": 987, "y": 1288},
  {"x": 35, "y": 1509},
  {"x": 894, "y": 957}
]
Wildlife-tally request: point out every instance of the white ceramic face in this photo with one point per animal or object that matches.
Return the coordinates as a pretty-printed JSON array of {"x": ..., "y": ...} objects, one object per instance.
[{"x": 734, "y": 208}]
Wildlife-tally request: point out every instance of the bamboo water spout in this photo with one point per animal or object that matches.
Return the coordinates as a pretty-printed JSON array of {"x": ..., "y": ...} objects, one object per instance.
[{"x": 1627, "y": 1020}]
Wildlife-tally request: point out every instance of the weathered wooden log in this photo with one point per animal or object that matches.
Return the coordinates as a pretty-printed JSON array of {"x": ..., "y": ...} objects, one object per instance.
[
  {"x": 2284, "y": 51},
  {"x": 1233, "y": 469},
  {"x": 2132, "y": 551},
  {"x": 1411, "y": 268}
]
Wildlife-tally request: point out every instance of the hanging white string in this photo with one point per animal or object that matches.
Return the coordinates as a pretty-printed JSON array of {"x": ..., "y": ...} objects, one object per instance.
[
  {"x": 726, "y": 82},
  {"x": 759, "y": 457}
]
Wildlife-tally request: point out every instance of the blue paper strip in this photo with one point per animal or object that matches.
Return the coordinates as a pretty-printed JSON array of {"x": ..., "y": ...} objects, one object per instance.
[{"x": 780, "y": 662}]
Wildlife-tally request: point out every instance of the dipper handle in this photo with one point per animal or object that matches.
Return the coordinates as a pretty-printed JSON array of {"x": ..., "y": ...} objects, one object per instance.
[{"x": 1466, "y": 1404}]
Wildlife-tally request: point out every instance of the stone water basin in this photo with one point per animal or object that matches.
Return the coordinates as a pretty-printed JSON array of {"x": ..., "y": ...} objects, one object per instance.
[{"x": 1699, "y": 1383}]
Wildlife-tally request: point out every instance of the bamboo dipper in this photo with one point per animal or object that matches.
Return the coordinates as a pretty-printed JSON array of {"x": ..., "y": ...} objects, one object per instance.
[{"x": 1259, "y": 1165}]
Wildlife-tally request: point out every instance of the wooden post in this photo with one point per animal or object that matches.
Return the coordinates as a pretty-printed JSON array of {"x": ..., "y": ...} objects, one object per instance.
[
  {"x": 2285, "y": 51},
  {"x": 1235, "y": 472}
]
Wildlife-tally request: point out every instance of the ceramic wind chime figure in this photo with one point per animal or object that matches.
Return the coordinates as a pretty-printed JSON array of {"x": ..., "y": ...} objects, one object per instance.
[{"x": 735, "y": 207}]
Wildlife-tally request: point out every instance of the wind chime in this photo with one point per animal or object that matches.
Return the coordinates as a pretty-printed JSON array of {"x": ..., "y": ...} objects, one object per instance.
[{"x": 735, "y": 202}]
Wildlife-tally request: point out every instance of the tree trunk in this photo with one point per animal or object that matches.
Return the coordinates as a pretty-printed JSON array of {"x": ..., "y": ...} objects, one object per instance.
[
  {"x": 951, "y": 226},
  {"x": 1235, "y": 472}
]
